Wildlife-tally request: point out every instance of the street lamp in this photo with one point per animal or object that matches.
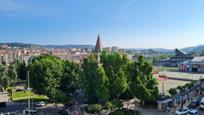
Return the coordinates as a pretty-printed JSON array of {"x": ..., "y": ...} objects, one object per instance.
[{"x": 29, "y": 89}]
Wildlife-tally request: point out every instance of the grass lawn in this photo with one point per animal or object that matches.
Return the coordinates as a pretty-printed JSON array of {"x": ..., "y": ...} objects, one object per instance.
[{"x": 23, "y": 96}]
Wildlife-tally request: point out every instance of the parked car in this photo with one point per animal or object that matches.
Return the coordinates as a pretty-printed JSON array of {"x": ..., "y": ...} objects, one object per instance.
[
  {"x": 19, "y": 90},
  {"x": 68, "y": 105},
  {"x": 182, "y": 111},
  {"x": 202, "y": 103},
  {"x": 30, "y": 111},
  {"x": 194, "y": 103},
  {"x": 40, "y": 104},
  {"x": 192, "y": 112}
]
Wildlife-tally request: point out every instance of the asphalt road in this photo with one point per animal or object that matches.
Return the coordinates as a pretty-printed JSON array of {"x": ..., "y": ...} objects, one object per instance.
[
  {"x": 13, "y": 107},
  {"x": 19, "y": 107}
]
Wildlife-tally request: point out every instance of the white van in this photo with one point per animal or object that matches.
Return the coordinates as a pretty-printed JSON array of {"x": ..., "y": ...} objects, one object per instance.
[{"x": 202, "y": 103}]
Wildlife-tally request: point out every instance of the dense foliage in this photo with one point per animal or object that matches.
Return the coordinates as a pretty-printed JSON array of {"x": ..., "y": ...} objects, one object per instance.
[
  {"x": 70, "y": 77},
  {"x": 115, "y": 67},
  {"x": 108, "y": 82},
  {"x": 172, "y": 91},
  {"x": 45, "y": 74},
  {"x": 119, "y": 78},
  {"x": 93, "y": 108},
  {"x": 8, "y": 75},
  {"x": 94, "y": 80},
  {"x": 22, "y": 71},
  {"x": 141, "y": 81}
]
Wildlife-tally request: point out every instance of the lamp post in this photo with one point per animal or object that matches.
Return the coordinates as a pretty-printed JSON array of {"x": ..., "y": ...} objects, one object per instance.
[
  {"x": 163, "y": 87},
  {"x": 29, "y": 89}
]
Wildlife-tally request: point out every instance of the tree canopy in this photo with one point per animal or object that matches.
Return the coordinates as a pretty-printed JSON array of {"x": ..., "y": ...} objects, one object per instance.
[
  {"x": 116, "y": 76},
  {"x": 115, "y": 66},
  {"x": 45, "y": 74},
  {"x": 142, "y": 84},
  {"x": 70, "y": 77},
  {"x": 94, "y": 80}
]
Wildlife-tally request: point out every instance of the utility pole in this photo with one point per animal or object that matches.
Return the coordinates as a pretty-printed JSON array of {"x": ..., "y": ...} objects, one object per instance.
[
  {"x": 29, "y": 89},
  {"x": 163, "y": 88}
]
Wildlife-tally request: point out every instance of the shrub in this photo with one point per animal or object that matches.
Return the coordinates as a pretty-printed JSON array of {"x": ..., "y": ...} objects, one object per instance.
[
  {"x": 172, "y": 91},
  {"x": 108, "y": 105},
  {"x": 180, "y": 88},
  {"x": 188, "y": 85},
  {"x": 116, "y": 103},
  {"x": 125, "y": 112},
  {"x": 93, "y": 108}
]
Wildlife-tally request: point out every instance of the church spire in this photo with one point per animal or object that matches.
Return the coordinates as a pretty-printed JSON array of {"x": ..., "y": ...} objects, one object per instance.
[{"x": 98, "y": 47}]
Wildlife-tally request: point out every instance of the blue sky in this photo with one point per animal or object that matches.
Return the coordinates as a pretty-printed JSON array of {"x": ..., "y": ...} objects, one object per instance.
[{"x": 124, "y": 23}]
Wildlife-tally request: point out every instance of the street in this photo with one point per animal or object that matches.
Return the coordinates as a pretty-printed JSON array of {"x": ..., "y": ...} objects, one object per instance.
[
  {"x": 153, "y": 111},
  {"x": 19, "y": 107}
]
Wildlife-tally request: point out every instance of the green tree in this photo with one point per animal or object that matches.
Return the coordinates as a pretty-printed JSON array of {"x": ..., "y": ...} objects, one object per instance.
[
  {"x": 70, "y": 78},
  {"x": 12, "y": 73},
  {"x": 4, "y": 78},
  {"x": 45, "y": 75},
  {"x": 5, "y": 82},
  {"x": 102, "y": 91},
  {"x": 10, "y": 91},
  {"x": 21, "y": 71},
  {"x": 94, "y": 80},
  {"x": 172, "y": 91},
  {"x": 142, "y": 84},
  {"x": 115, "y": 66},
  {"x": 3, "y": 70}
]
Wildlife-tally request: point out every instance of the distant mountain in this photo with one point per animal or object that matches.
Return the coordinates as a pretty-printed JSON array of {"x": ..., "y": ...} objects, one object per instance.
[
  {"x": 25, "y": 45},
  {"x": 161, "y": 50},
  {"x": 69, "y": 46},
  {"x": 193, "y": 49},
  {"x": 22, "y": 45},
  {"x": 199, "y": 48}
]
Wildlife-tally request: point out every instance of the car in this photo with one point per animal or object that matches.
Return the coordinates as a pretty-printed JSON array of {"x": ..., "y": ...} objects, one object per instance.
[
  {"x": 68, "y": 105},
  {"x": 32, "y": 111},
  {"x": 194, "y": 103},
  {"x": 19, "y": 90},
  {"x": 40, "y": 104},
  {"x": 192, "y": 112},
  {"x": 202, "y": 103},
  {"x": 182, "y": 111}
]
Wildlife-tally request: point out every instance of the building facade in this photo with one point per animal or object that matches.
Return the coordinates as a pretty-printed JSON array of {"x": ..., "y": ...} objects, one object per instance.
[
  {"x": 197, "y": 64},
  {"x": 175, "y": 61}
]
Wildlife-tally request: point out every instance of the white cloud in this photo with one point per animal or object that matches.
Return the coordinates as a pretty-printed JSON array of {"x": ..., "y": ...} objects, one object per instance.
[{"x": 8, "y": 5}]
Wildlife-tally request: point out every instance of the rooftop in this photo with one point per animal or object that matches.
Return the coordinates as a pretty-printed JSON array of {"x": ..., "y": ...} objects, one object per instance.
[{"x": 198, "y": 59}]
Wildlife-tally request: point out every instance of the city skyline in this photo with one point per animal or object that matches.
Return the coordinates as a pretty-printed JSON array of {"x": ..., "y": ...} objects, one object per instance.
[{"x": 125, "y": 23}]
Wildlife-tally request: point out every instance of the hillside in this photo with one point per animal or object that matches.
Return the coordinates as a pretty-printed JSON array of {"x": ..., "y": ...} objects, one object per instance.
[
  {"x": 199, "y": 48},
  {"x": 24, "y": 45}
]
